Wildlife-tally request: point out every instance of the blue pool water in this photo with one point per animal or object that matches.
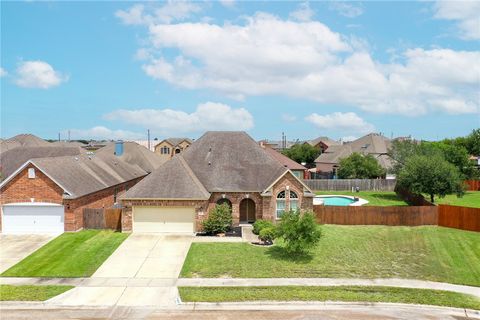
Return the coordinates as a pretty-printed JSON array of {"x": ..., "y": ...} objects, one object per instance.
[{"x": 337, "y": 201}]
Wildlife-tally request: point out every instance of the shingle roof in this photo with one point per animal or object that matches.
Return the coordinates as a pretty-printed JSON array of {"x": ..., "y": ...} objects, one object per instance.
[
  {"x": 175, "y": 141},
  {"x": 13, "y": 159},
  {"x": 217, "y": 162},
  {"x": 29, "y": 140},
  {"x": 284, "y": 160},
  {"x": 326, "y": 140},
  {"x": 173, "y": 180},
  {"x": 134, "y": 154},
  {"x": 81, "y": 175}
]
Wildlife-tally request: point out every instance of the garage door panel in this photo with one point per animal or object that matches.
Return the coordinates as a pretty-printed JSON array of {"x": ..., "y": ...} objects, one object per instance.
[
  {"x": 163, "y": 219},
  {"x": 28, "y": 218}
]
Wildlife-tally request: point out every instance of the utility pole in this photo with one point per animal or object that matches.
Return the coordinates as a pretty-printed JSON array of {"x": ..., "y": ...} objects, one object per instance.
[
  {"x": 148, "y": 138},
  {"x": 68, "y": 135},
  {"x": 59, "y": 136}
]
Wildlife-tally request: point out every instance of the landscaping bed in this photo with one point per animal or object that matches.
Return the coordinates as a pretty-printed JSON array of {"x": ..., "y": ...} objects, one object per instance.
[
  {"x": 77, "y": 254},
  {"x": 233, "y": 232},
  {"x": 374, "y": 198},
  {"x": 30, "y": 293},
  {"x": 425, "y": 253},
  {"x": 334, "y": 293}
]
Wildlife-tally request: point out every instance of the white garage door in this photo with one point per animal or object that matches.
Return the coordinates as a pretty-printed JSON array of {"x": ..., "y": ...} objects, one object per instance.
[
  {"x": 164, "y": 219},
  {"x": 32, "y": 217}
]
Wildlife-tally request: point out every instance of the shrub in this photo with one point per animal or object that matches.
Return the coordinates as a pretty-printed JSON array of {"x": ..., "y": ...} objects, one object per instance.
[
  {"x": 219, "y": 219},
  {"x": 267, "y": 235},
  {"x": 300, "y": 233},
  {"x": 261, "y": 224}
]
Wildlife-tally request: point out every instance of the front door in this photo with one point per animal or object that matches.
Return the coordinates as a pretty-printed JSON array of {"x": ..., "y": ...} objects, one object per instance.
[{"x": 247, "y": 211}]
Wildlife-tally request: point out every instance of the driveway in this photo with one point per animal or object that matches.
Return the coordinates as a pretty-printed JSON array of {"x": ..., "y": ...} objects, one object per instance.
[
  {"x": 13, "y": 248},
  {"x": 147, "y": 256}
]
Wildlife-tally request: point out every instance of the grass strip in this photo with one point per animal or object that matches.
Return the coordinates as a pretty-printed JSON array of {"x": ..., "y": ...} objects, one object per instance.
[{"x": 30, "y": 293}]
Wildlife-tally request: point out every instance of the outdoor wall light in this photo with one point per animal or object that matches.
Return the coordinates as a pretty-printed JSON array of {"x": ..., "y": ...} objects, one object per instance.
[
  {"x": 247, "y": 196},
  {"x": 287, "y": 188},
  {"x": 223, "y": 195}
]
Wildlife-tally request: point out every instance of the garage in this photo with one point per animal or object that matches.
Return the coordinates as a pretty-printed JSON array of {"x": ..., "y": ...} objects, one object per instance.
[
  {"x": 32, "y": 217},
  {"x": 163, "y": 219}
]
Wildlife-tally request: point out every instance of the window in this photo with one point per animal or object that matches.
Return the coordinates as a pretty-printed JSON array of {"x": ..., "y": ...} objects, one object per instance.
[
  {"x": 165, "y": 150},
  {"x": 280, "y": 204},
  {"x": 177, "y": 151},
  {"x": 293, "y": 201},
  {"x": 31, "y": 173}
]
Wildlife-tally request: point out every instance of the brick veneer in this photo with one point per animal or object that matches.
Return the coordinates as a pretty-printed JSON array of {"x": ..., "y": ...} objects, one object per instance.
[
  {"x": 43, "y": 189},
  {"x": 265, "y": 206}
]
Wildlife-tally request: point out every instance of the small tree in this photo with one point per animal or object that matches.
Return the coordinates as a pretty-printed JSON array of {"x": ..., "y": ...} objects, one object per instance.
[
  {"x": 267, "y": 235},
  {"x": 358, "y": 166},
  {"x": 302, "y": 153},
  {"x": 299, "y": 232},
  {"x": 219, "y": 219},
  {"x": 430, "y": 175}
]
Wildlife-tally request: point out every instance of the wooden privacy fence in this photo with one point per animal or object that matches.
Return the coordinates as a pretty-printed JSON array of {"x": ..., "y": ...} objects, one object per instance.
[
  {"x": 369, "y": 215},
  {"x": 348, "y": 184},
  {"x": 459, "y": 217},
  {"x": 102, "y": 218},
  {"x": 473, "y": 185}
]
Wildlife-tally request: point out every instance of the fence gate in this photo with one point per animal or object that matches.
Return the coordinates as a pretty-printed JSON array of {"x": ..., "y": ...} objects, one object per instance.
[{"x": 93, "y": 218}]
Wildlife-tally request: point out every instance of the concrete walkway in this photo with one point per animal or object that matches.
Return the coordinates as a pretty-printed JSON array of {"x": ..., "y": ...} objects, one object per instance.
[{"x": 238, "y": 282}]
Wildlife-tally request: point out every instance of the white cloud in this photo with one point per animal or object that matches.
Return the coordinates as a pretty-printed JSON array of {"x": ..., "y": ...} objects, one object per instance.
[
  {"x": 227, "y": 3},
  {"x": 171, "y": 11},
  {"x": 3, "y": 72},
  {"x": 103, "y": 133},
  {"x": 38, "y": 74},
  {"x": 348, "y": 122},
  {"x": 349, "y": 138},
  {"x": 270, "y": 56},
  {"x": 348, "y": 10},
  {"x": 207, "y": 116},
  {"x": 465, "y": 13},
  {"x": 288, "y": 117},
  {"x": 303, "y": 13}
]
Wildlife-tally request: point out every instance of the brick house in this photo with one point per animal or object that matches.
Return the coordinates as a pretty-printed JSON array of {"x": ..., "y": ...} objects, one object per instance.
[
  {"x": 48, "y": 195},
  {"x": 220, "y": 167}
]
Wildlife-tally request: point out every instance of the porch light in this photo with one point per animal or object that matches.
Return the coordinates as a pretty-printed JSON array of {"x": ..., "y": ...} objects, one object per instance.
[
  {"x": 287, "y": 188},
  {"x": 223, "y": 195},
  {"x": 247, "y": 196}
]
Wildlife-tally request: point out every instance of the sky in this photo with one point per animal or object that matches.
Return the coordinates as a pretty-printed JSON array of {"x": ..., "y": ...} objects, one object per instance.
[{"x": 112, "y": 70}]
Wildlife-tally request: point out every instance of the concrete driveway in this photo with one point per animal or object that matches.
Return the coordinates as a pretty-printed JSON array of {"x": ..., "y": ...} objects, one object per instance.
[
  {"x": 147, "y": 256},
  {"x": 13, "y": 248}
]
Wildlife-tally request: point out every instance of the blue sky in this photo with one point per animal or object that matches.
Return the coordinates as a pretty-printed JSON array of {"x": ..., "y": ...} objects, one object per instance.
[{"x": 341, "y": 69}]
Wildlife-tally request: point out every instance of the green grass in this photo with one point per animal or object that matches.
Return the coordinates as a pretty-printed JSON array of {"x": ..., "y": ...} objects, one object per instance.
[
  {"x": 374, "y": 198},
  {"x": 30, "y": 293},
  {"x": 426, "y": 253},
  {"x": 341, "y": 293},
  {"x": 469, "y": 199},
  {"x": 76, "y": 254}
]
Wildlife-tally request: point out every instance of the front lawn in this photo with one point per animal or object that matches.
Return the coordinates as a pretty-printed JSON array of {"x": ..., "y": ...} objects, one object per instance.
[
  {"x": 427, "y": 253},
  {"x": 340, "y": 293},
  {"x": 76, "y": 254},
  {"x": 374, "y": 198},
  {"x": 30, "y": 293},
  {"x": 469, "y": 199}
]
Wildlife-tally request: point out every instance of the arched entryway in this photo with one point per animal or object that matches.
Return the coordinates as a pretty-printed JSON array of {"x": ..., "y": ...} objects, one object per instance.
[
  {"x": 225, "y": 200},
  {"x": 247, "y": 211}
]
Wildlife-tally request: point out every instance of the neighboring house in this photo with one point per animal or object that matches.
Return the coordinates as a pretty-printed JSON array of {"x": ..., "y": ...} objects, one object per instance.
[
  {"x": 297, "y": 169},
  {"x": 169, "y": 147},
  {"x": 220, "y": 167},
  {"x": 323, "y": 143},
  {"x": 12, "y": 159},
  {"x": 132, "y": 153},
  {"x": 22, "y": 140},
  {"x": 48, "y": 195},
  {"x": 373, "y": 144},
  {"x": 279, "y": 144}
]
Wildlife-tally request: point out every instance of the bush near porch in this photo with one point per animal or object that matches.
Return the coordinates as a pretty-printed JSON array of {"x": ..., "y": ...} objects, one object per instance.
[{"x": 426, "y": 253}]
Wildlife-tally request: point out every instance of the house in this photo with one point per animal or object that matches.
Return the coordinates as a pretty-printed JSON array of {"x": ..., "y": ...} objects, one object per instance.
[
  {"x": 297, "y": 169},
  {"x": 132, "y": 153},
  {"x": 279, "y": 144},
  {"x": 323, "y": 143},
  {"x": 371, "y": 144},
  {"x": 22, "y": 140},
  {"x": 167, "y": 148},
  {"x": 48, "y": 195},
  {"x": 220, "y": 167}
]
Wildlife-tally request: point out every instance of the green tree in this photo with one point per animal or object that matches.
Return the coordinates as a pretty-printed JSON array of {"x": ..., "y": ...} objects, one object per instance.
[
  {"x": 358, "y": 166},
  {"x": 219, "y": 219},
  {"x": 299, "y": 232},
  {"x": 302, "y": 153},
  {"x": 431, "y": 175}
]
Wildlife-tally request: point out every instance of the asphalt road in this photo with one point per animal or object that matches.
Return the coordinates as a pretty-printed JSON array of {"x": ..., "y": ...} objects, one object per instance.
[{"x": 330, "y": 313}]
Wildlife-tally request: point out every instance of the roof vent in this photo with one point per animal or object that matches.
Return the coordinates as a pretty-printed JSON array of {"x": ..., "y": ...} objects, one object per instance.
[
  {"x": 76, "y": 158},
  {"x": 209, "y": 163},
  {"x": 210, "y": 149}
]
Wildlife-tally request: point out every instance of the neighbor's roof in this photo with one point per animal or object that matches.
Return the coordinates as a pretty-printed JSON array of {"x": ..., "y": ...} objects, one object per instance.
[
  {"x": 175, "y": 141},
  {"x": 326, "y": 140},
  {"x": 284, "y": 160},
  {"x": 22, "y": 140},
  {"x": 373, "y": 143},
  {"x": 81, "y": 175},
  {"x": 13, "y": 159},
  {"x": 134, "y": 154},
  {"x": 67, "y": 144},
  {"x": 173, "y": 180}
]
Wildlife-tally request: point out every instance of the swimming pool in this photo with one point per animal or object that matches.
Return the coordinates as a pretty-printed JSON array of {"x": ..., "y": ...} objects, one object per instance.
[{"x": 335, "y": 200}]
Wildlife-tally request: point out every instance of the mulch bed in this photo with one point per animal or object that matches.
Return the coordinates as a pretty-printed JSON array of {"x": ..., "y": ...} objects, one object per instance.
[{"x": 233, "y": 232}]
